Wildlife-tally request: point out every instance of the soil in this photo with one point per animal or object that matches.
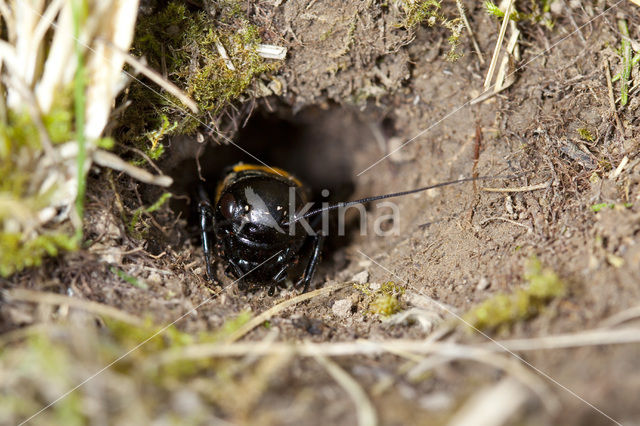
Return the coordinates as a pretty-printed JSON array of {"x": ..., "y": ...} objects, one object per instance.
[{"x": 356, "y": 86}]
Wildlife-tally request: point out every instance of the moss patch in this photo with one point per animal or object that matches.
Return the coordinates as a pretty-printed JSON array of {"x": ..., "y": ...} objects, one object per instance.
[
  {"x": 586, "y": 134},
  {"x": 539, "y": 12},
  {"x": 384, "y": 300},
  {"x": 503, "y": 310},
  {"x": 21, "y": 197},
  {"x": 185, "y": 45},
  {"x": 428, "y": 11},
  {"x": 19, "y": 251}
]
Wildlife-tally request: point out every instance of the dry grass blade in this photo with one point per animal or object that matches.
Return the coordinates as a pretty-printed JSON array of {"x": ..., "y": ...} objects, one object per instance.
[
  {"x": 20, "y": 87},
  {"x": 23, "y": 295},
  {"x": 612, "y": 101},
  {"x": 156, "y": 77},
  {"x": 225, "y": 57},
  {"x": 597, "y": 337},
  {"x": 23, "y": 332},
  {"x": 472, "y": 36},
  {"x": 520, "y": 189},
  {"x": 256, "y": 321},
  {"x": 492, "y": 406},
  {"x": 508, "y": 364},
  {"x": 270, "y": 51},
  {"x": 357, "y": 347},
  {"x": 496, "y": 51},
  {"x": 364, "y": 408},
  {"x": 506, "y": 219},
  {"x": 618, "y": 170},
  {"x": 621, "y": 317},
  {"x": 506, "y": 73},
  {"x": 9, "y": 20},
  {"x": 107, "y": 159},
  {"x": 444, "y": 352},
  {"x": 49, "y": 49}
]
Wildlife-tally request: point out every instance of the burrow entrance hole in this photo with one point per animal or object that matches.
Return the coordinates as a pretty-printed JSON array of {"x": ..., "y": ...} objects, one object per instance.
[{"x": 318, "y": 145}]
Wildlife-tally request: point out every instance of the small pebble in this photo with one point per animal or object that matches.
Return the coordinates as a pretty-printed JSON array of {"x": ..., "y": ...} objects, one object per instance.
[
  {"x": 361, "y": 277},
  {"x": 483, "y": 284},
  {"x": 557, "y": 7},
  {"x": 375, "y": 286},
  {"x": 342, "y": 307}
]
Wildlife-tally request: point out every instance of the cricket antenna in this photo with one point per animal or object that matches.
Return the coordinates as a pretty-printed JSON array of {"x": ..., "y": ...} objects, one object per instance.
[{"x": 392, "y": 195}]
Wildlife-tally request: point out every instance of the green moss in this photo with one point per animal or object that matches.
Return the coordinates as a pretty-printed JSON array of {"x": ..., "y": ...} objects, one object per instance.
[
  {"x": 170, "y": 337},
  {"x": 129, "y": 335},
  {"x": 597, "y": 207},
  {"x": 105, "y": 143},
  {"x": 493, "y": 9},
  {"x": 136, "y": 227},
  {"x": 627, "y": 61},
  {"x": 130, "y": 279},
  {"x": 383, "y": 301},
  {"x": 586, "y": 134},
  {"x": 166, "y": 340},
  {"x": 385, "y": 305},
  {"x": 184, "y": 44},
  {"x": 20, "y": 152},
  {"x": 539, "y": 12},
  {"x": 59, "y": 121},
  {"x": 503, "y": 310},
  {"x": 19, "y": 252},
  {"x": 428, "y": 11},
  {"x": 154, "y": 137},
  {"x": 420, "y": 11}
]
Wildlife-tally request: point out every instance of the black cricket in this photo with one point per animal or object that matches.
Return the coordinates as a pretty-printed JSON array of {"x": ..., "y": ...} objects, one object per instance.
[{"x": 251, "y": 221}]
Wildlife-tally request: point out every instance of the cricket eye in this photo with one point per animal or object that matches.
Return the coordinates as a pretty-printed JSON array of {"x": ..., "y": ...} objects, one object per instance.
[{"x": 227, "y": 205}]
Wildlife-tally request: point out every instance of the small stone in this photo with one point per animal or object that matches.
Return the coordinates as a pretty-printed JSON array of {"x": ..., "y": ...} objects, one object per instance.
[
  {"x": 556, "y": 7},
  {"x": 154, "y": 278},
  {"x": 615, "y": 261},
  {"x": 360, "y": 277},
  {"x": 483, "y": 284},
  {"x": 342, "y": 307}
]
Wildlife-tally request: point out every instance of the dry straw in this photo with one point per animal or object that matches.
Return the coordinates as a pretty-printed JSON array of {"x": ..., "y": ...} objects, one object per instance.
[{"x": 46, "y": 43}]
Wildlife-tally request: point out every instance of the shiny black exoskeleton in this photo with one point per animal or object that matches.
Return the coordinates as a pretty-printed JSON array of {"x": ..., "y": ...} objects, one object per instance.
[{"x": 249, "y": 218}]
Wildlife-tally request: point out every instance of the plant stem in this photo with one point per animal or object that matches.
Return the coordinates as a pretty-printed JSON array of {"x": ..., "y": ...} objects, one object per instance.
[
  {"x": 626, "y": 59},
  {"x": 78, "y": 7}
]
